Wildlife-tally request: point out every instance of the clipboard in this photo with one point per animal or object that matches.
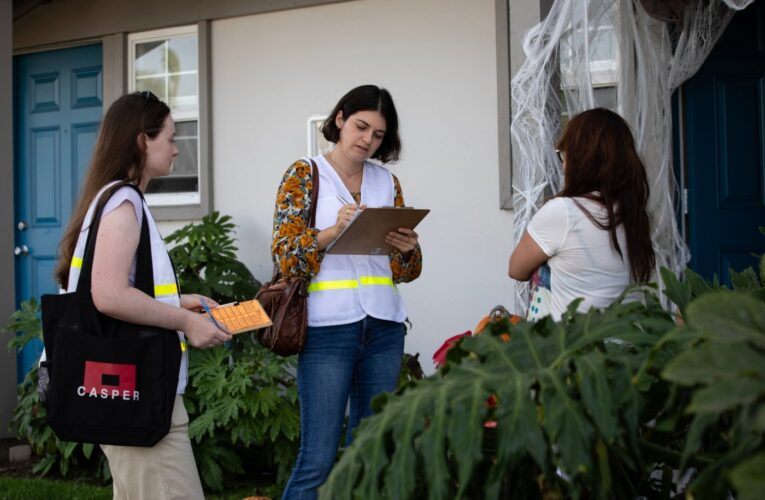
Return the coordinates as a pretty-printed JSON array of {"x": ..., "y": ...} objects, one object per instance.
[
  {"x": 366, "y": 233},
  {"x": 240, "y": 317}
]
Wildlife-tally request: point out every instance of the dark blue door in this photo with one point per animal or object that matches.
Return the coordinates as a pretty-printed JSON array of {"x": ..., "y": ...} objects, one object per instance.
[
  {"x": 725, "y": 117},
  {"x": 59, "y": 97}
]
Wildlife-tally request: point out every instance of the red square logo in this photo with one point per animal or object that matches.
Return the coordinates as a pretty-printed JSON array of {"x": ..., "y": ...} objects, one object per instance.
[{"x": 109, "y": 376}]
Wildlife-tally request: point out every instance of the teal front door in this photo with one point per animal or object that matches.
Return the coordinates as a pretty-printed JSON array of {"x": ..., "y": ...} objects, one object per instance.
[
  {"x": 58, "y": 103},
  {"x": 725, "y": 149}
]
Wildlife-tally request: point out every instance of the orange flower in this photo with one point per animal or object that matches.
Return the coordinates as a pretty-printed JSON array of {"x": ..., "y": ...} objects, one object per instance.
[
  {"x": 289, "y": 229},
  {"x": 291, "y": 186},
  {"x": 306, "y": 240}
]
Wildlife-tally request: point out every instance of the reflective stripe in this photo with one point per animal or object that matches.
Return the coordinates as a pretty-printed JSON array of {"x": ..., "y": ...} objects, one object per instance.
[
  {"x": 168, "y": 289},
  {"x": 183, "y": 346},
  {"x": 76, "y": 262},
  {"x": 320, "y": 286},
  {"x": 376, "y": 280}
]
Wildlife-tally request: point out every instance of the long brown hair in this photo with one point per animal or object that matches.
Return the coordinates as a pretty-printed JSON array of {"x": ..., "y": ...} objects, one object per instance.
[
  {"x": 600, "y": 156},
  {"x": 117, "y": 155}
]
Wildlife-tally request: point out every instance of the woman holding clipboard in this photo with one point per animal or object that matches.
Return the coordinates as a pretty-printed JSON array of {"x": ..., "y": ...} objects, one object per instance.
[{"x": 355, "y": 338}]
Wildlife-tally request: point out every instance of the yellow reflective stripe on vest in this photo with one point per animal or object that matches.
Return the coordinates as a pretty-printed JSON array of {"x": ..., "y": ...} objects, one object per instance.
[
  {"x": 168, "y": 289},
  {"x": 320, "y": 286},
  {"x": 183, "y": 346},
  {"x": 375, "y": 280},
  {"x": 76, "y": 262}
]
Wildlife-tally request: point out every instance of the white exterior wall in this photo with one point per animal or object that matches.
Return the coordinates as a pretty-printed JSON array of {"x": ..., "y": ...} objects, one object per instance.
[{"x": 270, "y": 72}]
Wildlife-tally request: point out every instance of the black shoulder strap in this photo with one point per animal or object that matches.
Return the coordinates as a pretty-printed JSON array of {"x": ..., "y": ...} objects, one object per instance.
[{"x": 144, "y": 272}]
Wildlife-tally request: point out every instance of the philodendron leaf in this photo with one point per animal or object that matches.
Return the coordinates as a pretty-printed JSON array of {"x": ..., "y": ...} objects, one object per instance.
[
  {"x": 712, "y": 361},
  {"x": 730, "y": 317},
  {"x": 744, "y": 281},
  {"x": 678, "y": 291},
  {"x": 748, "y": 478},
  {"x": 726, "y": 394},
  {"x": 510, "y": 410}
]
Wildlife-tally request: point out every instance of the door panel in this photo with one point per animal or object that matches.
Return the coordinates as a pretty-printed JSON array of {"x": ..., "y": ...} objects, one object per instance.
[
  {"x": 725, "y": 150},
  {"x": 57, "y": 114}
]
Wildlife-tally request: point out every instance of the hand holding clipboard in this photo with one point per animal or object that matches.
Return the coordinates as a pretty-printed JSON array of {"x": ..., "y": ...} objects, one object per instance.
[{"x": 368, "y": 232}]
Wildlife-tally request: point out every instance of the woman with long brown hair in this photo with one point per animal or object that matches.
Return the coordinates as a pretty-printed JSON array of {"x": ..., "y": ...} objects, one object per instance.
[
  {"x": 594, "y": 234},
  {"x": 136, "y": 143}
]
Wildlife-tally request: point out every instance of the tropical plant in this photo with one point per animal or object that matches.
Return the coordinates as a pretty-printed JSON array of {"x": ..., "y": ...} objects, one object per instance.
[
  {"x": 29, "y": 416},
  {"x": 204, "y": 255},
  {"x": 615, "y": 403},
  {"x": 241, "y": 398}
]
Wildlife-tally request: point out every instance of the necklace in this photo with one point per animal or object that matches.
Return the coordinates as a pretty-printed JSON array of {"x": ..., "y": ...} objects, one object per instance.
[
  {"x": 352, "y": 181},
  {"x": 342, "y": 172}
]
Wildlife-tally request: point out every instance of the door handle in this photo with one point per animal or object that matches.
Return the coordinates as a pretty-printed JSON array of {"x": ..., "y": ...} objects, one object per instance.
[
  {"x": 22, "y": 225},
  {"x": 22, "y": 250}
]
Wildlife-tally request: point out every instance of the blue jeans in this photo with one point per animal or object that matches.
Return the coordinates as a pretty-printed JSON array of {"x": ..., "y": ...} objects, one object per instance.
[{"x": 360, "y": 360}]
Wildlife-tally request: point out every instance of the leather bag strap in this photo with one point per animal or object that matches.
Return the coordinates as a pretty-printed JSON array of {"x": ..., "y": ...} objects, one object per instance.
[
  {"x": 312, "y": 217},
  {"x": 314, "y": 193}
]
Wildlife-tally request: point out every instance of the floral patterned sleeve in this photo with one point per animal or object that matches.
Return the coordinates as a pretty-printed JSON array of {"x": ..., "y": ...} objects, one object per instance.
[
  {"x": 294, "y": 245},
  {"x": 407, "y": 270}
]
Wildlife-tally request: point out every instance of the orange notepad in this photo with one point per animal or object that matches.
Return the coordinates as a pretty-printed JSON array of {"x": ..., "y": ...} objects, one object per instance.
[{"x": 240, "y": 317}]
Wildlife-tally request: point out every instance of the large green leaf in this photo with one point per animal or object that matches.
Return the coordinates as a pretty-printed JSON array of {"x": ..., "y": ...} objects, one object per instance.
[
  {"x": 559, "y": 401},
  {"x": 726, "y": 394},
  {"x": 748, "y": 478},
  {"x": 713, "y": 361},
  {"x": 730, "y": 317}
]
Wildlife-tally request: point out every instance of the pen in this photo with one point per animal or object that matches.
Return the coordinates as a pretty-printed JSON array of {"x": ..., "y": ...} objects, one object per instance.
[
  {"x": 207, "y": 310},
  {"x": 344, "y": 201}
]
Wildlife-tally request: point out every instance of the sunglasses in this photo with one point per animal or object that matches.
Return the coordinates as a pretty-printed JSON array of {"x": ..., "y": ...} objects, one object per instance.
[{"x": 148, "y": 95}]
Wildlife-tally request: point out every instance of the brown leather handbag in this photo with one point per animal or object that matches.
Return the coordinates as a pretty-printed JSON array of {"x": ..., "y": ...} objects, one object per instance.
[{"x": 285, "y": 300}]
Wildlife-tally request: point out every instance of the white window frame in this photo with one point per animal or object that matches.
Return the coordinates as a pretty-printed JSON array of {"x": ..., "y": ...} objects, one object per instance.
[{"x": 172, "y": 199}]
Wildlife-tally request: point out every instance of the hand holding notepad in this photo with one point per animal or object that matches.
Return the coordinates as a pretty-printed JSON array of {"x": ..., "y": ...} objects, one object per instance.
[{"x": 238, "y": 317}]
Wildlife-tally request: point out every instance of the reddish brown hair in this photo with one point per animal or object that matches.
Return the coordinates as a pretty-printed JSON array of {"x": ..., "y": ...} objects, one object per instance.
[
  {"x": 600, "y": 156},
  {"x": 117, "y": 156}
]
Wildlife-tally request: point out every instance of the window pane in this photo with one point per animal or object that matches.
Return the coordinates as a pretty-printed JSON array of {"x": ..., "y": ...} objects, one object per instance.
[
  {"x": 183, "y": 93},
  {"x": 606, "y": 97},
  {"x": 182, "y": 54},
  {"x": 150, "y": 58},
  {"x": 154, "y": 84},
  {"x": 186, "y": 140},
  {"x": 185, "y": 175}
]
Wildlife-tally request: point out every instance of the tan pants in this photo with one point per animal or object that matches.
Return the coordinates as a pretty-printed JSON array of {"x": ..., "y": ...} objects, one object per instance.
[{"x": 163, "y": 472}]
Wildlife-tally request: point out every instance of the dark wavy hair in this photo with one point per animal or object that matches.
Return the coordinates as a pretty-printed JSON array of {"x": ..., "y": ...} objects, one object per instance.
[
  {"x": 368, "y": 98},
  {"x": 117, "y": 156},
  {"x": 600, "y": 157}
]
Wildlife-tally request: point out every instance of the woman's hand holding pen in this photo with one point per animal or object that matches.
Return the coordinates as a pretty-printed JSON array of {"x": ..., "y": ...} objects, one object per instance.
[
  {"x": 404, "y": 240},
  {"x": 346, "y": 213},
  {"x": 193, "y": 302},
  {"x": 201, "y": 331}
]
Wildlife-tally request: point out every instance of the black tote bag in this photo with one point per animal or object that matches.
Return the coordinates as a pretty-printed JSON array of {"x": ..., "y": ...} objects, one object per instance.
[{"x": 111, "y": 382}]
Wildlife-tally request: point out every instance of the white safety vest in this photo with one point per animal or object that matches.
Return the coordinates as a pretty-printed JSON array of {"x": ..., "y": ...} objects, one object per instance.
[
  {"x": 165, "y": 286},
  {"x": 350, "y": 287}
]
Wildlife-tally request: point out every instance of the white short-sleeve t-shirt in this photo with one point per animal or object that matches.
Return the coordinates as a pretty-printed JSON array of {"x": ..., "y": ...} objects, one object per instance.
[
  {"x": 582, "y": 261},
  {"x": 126, "y": 195}
]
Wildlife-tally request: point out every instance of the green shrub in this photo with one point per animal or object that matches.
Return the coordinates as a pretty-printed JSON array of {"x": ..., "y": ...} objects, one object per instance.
[
  {"x": 241, "y": 398},
  {"x": 603, "y": 404}
]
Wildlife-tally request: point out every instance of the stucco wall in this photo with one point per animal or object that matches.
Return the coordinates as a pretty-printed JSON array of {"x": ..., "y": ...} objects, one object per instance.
[{"x": 438, "y": 59}]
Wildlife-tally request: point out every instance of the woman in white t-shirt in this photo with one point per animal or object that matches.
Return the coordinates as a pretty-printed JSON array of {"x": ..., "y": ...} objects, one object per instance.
[{"x": 595, "y": 234}]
